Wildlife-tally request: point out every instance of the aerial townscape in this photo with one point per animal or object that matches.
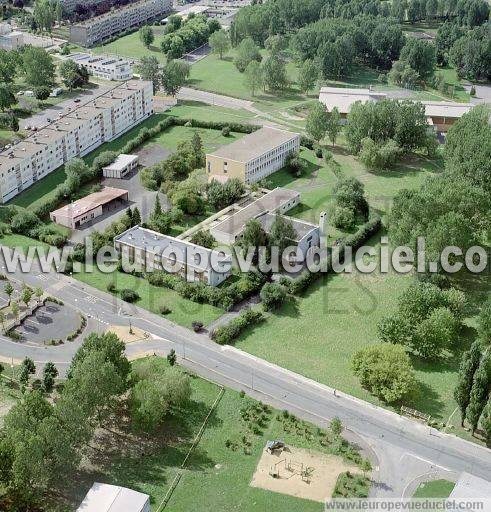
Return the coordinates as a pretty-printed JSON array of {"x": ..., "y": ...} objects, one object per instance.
[{"x": 245, "y": 252}]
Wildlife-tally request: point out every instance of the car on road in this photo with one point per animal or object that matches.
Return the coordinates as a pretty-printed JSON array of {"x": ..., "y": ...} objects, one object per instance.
[{"x": 76, "y": 100}]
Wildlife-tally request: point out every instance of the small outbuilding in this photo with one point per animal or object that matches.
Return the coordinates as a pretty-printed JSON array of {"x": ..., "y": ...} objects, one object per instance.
[
  {"x": 113, "y": 498},
  {"x": 121, "y": 167}
]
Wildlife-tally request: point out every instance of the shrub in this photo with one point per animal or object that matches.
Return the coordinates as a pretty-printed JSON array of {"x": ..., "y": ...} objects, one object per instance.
[
  {"x": 111, "y": 287},
  {"x": 165, "y": 310},
  {"x": 129, "y": 295},
  {"x": 197, "y": 325},
  {"x": 226, "y": 131},
  {"x": 227, "y": 333},
  {"x": 318, "y": 152},
  {"x": 273, "y": 295},
  {"x": 343, "y": 217}
]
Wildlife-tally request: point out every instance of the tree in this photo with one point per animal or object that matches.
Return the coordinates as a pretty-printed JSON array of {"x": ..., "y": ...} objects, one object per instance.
[
  {"x": 149, "y": 69},
  {"x": 435, "y": 333},
  {"x": 2, "y": 320},
  {"x": 419, "y": 55},
  {"x": 479, "y": 392},
  {"x": 403, "y": 75},
  {"x": 146, "y": 35},
  {"x": 50, "y": 373},
  {"x": 7, "y": 98},
  {"x": 72, "y": 74},
  {"x": 468, "y": 366},
  {"x": 317, "y": 121},
  {"x": 38, "y": 292},
  {"x": 26, "y": 295},
  {"x": 171, "y": 357},
  {"x": 9, "y": 290},
  {"x": 486, "y": 421},
  {"x": 136, "y": 216},
  {"x": 468, "y": 148},
  {"x": 42, "y": 93},
  {"x": 386, "y": 371},
  {"x": 366, "y": 466},
  {"x": 484, "y": 324},
  {"x": 274, "y": 73},
  {"x": 220, "y": 195},
  {"x": 174, "y": 76},
  {"x": 204, "y": 239},
  {"x": 333, "y": 125},
  {"x": 38, "y": 67},
  {"x": 282, "y": 233},
  {"x": 469, "y": 54},
  {"x": 15, "y": 310},
  {"x": 336, "y": 427},
  {"x": 253, "y": 237},
  {"x": 307, "y": 75},
  {"x": 273, "y": 295},
  {"x": 375, "y": 156},
  {"x": 246, "y": 52},
  {"x": 253, "y": 76},
  {"x": 44, "y": 14},
  {"x": 219, "y": 42},
  {"x": 8, "y": 66},
  {"x": 27, "y": 368}
]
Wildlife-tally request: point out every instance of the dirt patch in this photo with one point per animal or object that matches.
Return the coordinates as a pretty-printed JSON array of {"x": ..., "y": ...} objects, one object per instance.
[
  {"x": 320, "y": 472},
  {"x": 124, "y": 334},
  {"x": 152, "y": 154}
]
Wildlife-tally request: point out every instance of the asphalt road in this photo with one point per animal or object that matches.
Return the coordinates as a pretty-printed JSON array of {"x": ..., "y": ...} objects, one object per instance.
[{"x": 405, "y": 449}]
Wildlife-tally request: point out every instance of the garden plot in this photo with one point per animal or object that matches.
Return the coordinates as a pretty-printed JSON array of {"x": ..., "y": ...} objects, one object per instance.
[{"x": 301, "y": 473}]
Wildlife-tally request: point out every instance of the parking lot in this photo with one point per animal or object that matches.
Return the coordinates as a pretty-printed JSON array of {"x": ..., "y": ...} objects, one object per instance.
[{"x": 49, "y": 322}]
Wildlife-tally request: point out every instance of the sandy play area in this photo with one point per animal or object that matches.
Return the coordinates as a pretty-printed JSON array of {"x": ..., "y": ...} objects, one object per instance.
[
  {"x": 318, "y": 481},
  {"x": 123, "y": 333}
]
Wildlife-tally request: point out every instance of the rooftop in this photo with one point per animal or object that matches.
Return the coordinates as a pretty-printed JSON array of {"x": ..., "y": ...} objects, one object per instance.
[
  {"x": 156, "y": 243},
  {"x": 98, "y": 60},
  {"x": 112, "y": 498},
  {"x": 301, "y": 227},
  {"x": 344, "y": 98},
  {"x": 268, "y": 203},
  {"x": 90, "y": 202},
  {"x": 116, "y": 12},
  {"x": 121, "y": 162},
  {"x": 254, "y": 144},
  {"x": 446, "y": 108}
]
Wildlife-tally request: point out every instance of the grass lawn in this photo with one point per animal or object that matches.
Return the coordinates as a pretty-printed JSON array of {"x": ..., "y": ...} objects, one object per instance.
[
  {"x": 216, "y": 475},
  {"x": 434, "y": 489},
  {"x": 131, "y": 47},
  {"x": 152, "y": 297},
  {"x": 21, "y": 241},
  {"x": 204, "y": 112}
]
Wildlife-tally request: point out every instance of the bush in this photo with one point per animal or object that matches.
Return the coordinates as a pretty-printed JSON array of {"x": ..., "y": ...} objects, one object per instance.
[
  {"x": 111, "y": 287},
  {"x": 273, "y": 295},
  {"x": 165, "y": 310},
  {"x": 227, "y": 333},
  {"x": 318, "y": 152},
  {"x": 197, "y": 326},
  {"x": 226, "y": 131},
  {"x": 343, "y": 217},
  {"x": 23, "y": 222},
  {"x": 129, "y": 295}
]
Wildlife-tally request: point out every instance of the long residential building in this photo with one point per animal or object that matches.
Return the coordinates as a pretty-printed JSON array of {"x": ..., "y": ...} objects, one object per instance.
[
  {"x": 98, "y": 29},
  {"x": 190, "y": 261},
  {"x": 100, "y": 120},
  {"x": 253, "y": 157},
  {"x": 69, "y": 6}
]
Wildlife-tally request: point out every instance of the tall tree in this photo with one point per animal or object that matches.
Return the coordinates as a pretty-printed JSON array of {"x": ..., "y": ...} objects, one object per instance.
[
  {"x": 420, "y": 56},
  {"x": 149, "y": 69},
  {"x": 146, "y": 35},
  {"x": 468, "y": 366},
  {"x": 333, "y": 125},
  {"x": 219, "y": 43},
  {"x": 317, "y": 121},
  {"x": 253, "y": 76},
  {"x": 307, "y": 75},
  {"x": 7, "y": 98},
  {"x": 479, "y": 392},
  {"x": 174, "y": 76},
  {"x": 282, "y": 233},
  {"x": 38, "y": 67}
]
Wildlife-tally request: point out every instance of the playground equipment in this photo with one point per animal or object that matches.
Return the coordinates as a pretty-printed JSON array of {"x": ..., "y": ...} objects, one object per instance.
[{"x": 293, "y": 468}]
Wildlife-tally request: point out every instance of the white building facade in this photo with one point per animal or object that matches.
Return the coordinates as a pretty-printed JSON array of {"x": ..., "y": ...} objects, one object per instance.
[
  {"x": 100, "y": 28},
  {"x": 74, "y": 135},
  {"x": 103, "y": 66}
]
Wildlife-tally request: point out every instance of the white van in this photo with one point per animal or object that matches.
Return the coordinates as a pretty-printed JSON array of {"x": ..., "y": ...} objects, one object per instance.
[
  {"x": 29, "y": 93},
  {"x": 56, "y": 92}
]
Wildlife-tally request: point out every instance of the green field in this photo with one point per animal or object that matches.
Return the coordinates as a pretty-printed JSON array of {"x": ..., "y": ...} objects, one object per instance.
[
  {"x": 130, "y": 46},
  {"x": 151, "y": 297},
  {"x": 217, "y": 476},
  {"x": 434, "y": 489}
]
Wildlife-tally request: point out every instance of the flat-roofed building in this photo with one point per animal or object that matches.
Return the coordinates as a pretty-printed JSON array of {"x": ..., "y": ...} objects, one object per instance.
[
  {"x": 88, "y": 208},
  {"x": 252, "y": 157},
  {"x": 113, "y": 498},
  {"x": 443, "y": 114},
  {"x": 189, "y": 261},
  {"x": 102, "y": 66},
  {"x": 344, "y": 98},
  {"x": 307, "y": 235},
  {"x": 100, "y": 28},
  {"x": 121, "y": 167},
  {"x": 11, "y": 40},
  {"x": 279, "y": 200},
  {"x": 440, "y": 114},
  {"x": 100, "y": 120},
  {"x": 69, "y": 6}
]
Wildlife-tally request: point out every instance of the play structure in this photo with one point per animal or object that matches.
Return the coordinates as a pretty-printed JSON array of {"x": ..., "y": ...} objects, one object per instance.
[{"x": 291, "y": 468}]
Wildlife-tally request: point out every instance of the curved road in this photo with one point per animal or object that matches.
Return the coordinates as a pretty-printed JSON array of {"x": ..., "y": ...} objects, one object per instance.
[{"x": 405, "y": 449}]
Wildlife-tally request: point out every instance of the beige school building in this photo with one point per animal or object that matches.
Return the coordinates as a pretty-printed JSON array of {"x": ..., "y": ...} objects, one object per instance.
[{"x": 253, "y": 157}]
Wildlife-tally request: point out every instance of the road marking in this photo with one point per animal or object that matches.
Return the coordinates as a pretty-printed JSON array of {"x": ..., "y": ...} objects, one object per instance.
[{"x": 426, "y": 461}]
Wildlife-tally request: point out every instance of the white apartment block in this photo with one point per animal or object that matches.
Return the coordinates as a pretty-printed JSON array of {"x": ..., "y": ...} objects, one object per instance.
[
  {"x": 103, "y": 66},
  {"x": 70, "y": 5},
  {"x": 254, "y": 156},
  {"x": 189, "y": 261},
  {"x": 100, "y": 28},
  {"x": 100, "y": 120}
]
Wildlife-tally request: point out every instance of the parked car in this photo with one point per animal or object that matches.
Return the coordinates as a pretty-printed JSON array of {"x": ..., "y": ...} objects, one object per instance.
[
  {"x": 56, "y": 92},
  {"x": 20, "y": 93},
  {"x": 77, "y": 100},
  {"x": 29, "y": 93}
]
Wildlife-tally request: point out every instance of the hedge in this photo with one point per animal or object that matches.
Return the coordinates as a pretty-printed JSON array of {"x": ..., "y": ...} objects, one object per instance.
[
  {"x": 224, "y": 297},
  {"x": 356, "y": 240},
  {"x": 231, "y": 331}
]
